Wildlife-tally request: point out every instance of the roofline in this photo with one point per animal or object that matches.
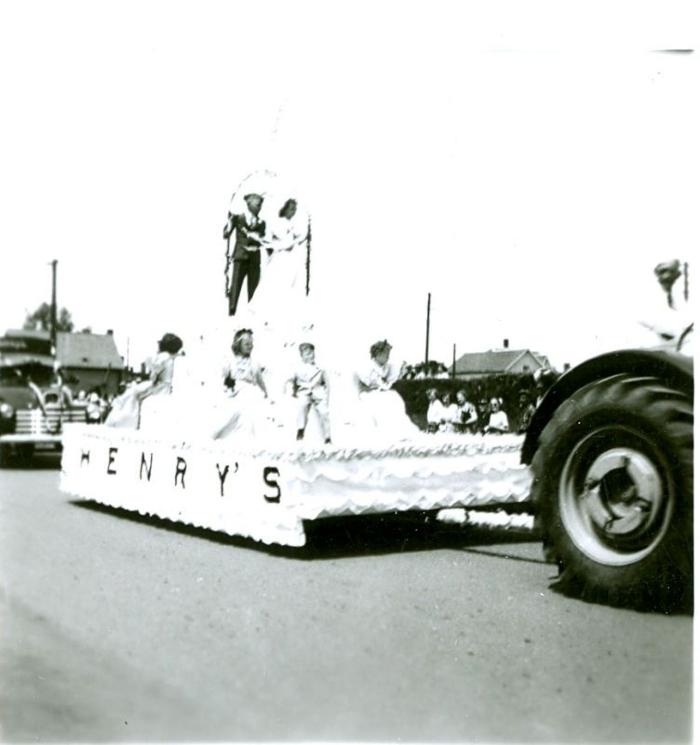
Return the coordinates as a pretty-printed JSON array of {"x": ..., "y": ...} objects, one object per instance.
[{"x": 524, "y": 352}]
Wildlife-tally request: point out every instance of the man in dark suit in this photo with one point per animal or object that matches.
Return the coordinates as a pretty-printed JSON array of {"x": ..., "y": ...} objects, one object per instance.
[{"x": 250, "y": 230}]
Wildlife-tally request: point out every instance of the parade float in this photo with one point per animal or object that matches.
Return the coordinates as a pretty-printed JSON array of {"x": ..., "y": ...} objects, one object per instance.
[
  {"x": 606, "y": 464},
  {"x": 260, "y": 481}
]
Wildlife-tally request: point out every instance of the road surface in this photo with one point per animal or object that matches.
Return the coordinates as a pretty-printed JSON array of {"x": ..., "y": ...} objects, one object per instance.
[{"x": 116, "y": 628}]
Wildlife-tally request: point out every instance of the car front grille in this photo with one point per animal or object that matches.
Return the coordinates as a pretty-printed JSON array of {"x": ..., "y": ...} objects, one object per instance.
[{"x": 35, "y": 422}]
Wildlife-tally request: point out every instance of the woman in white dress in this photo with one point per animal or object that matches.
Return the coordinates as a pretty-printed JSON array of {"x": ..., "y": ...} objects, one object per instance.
[
  {"x": 280, "y": 295},
  {"x": 244, "y": 408},
  {"x": 136, "y": 405},
  {"x": 383, "y": 412}
]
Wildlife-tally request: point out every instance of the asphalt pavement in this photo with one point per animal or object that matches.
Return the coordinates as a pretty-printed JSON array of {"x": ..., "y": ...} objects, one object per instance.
[{"x": 116, "y": 627}]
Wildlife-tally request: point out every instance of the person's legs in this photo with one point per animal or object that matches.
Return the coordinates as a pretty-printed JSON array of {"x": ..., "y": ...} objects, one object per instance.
[
  {"x": 240, "y": 269},
  {"x": 303, "y": 406},
  {"x": 321, "y": 404},
  {"x": 253, "y": 273}
]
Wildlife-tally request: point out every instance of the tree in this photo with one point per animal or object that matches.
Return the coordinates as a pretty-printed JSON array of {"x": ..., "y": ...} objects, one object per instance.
[{"x": 42, "y": 317}]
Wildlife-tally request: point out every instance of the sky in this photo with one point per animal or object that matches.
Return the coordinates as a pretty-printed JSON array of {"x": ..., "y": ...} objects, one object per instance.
[{"x": 526, "y": 163}]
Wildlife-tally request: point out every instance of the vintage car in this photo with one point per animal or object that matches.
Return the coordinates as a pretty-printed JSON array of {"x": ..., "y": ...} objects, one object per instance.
[{"x": 34, "y": 402}]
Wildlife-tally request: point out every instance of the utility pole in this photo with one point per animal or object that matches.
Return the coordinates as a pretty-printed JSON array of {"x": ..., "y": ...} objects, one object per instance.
[
  {"x": 53, "y": 304},
  {"x": 454, "y": 361},
  {"x": 427, "y": 334}
]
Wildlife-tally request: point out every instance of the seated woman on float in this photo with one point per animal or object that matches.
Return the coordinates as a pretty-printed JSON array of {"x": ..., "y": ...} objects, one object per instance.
[
  {"x": 131, "y": 408},
  {"x": 383, "y": 411}
]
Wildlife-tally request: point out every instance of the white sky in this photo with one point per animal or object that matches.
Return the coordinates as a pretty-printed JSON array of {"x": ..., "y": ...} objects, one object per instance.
[{"x": 525, "y": 163}]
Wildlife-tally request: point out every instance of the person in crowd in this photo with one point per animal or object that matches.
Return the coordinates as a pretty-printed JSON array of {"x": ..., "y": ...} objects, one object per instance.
[
  {"x": 527, "y": 411},
  {"x": 467, "y": 416},
  {"x": 250, "y": 232},
  {"x": 435, "y": 413},
  {"x": 95, "y": 407},
  {"x": 483, "y": 411},
  {"x": 544, "y": 380},
  {"x": 449, "y": 413},
  {"x": 309, "y": 385},
  {"x": 383, "y": 410},
  {"x": 498, "y": 419},
  {"x": 244, "y": 381},
  {"x": 127, "y": 409}
]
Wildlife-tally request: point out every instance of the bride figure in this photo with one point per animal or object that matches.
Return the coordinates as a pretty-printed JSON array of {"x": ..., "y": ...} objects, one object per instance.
[{"x": 279, "y": 298}]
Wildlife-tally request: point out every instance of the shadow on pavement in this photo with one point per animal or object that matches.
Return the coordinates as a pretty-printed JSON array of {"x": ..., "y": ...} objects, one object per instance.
[
  {"x": 362, "y": 535},
  {"x": 675, "y": 601},
  {"x": 375, "y": 535}
]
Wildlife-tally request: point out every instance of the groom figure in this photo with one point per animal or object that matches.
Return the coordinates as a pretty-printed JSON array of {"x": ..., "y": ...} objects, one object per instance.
[{"x": 250, "y": 230}]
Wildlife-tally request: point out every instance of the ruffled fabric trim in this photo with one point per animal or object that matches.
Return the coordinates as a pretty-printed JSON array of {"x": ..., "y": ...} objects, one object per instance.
[{"x": 464, "y": 472}]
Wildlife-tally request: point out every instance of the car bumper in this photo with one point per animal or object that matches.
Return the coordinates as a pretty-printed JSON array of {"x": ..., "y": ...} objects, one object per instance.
[{"x": 15, "y": 439}]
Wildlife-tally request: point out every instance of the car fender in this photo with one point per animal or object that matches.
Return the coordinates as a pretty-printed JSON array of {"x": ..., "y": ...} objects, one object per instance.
[{"x": 673, "y": 368}]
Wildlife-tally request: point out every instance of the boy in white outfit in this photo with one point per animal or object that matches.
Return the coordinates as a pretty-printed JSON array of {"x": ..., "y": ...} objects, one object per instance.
[{"x": 310, "y": 388}]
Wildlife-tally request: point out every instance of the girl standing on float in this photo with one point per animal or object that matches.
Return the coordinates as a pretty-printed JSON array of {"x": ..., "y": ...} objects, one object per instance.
[{"x": 247, "y": 394}]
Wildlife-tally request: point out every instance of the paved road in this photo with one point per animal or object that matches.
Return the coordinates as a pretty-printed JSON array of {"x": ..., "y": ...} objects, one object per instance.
[{"x": 123, "y": 629}]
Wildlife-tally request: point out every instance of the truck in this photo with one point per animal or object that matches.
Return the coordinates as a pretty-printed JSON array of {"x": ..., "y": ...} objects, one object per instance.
[{"x": 34, "y": 402}]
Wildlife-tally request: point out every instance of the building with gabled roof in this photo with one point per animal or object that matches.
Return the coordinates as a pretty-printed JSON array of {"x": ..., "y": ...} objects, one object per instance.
[
  {"x": 499, "y": 362},
  {"x": 87, "y": 360},
  {"x": 90, "y": 361}
]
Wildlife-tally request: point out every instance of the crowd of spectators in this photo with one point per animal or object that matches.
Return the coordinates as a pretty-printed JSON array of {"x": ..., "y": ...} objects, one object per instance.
[
  {"x": 457, "y": 414},
  {"x": 493, "y": 403}
]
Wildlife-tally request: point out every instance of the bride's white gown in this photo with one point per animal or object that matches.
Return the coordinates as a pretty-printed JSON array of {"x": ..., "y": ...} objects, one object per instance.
[{"x": 278, "y": 303}]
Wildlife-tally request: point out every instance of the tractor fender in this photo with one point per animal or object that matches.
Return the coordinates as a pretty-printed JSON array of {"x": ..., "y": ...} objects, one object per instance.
[{"x": 673, "y": 368}]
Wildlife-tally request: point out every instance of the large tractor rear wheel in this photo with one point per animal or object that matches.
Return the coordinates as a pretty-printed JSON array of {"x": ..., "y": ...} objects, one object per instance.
[{"x": 613, "y": 492}]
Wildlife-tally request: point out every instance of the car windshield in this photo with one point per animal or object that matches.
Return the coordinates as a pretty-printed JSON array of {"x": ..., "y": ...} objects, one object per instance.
[
  {"x": 21, "y": 375},
  {"x": 11, "y": 376}
]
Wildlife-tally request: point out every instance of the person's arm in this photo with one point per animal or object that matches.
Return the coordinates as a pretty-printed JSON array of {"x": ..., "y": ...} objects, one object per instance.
[
  {"x": 366, "y": 379},
  {"x": 260, "y": 380},
  {"x": 393, "y": 374},
  {"x": 255, "y": 236},
  {"x": 471, "y": 414},
  {"x": 230, "y": 226}
]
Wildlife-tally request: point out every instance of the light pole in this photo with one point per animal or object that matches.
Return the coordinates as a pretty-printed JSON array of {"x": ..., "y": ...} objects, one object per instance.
[
  {"x": 427, "y": 334},
  {"x": 53, "y": 304}
]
